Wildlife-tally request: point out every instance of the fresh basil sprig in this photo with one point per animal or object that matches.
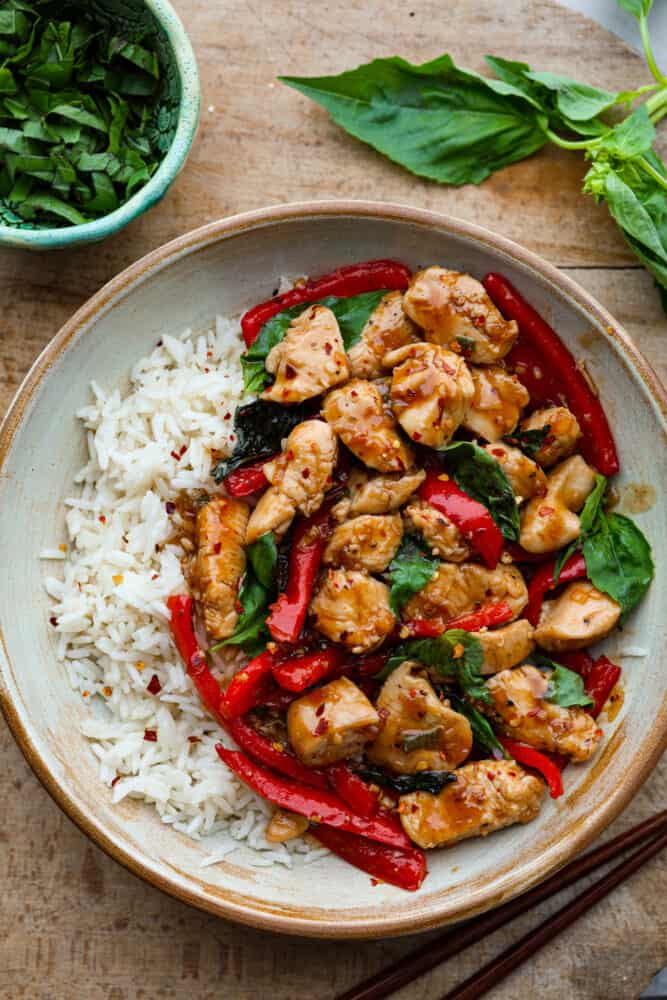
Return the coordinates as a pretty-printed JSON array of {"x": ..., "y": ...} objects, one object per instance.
[
  {"x": 482, "y": 477},
  {"x": 455, "y": 655},
  {"x": 410, "y": 570}
]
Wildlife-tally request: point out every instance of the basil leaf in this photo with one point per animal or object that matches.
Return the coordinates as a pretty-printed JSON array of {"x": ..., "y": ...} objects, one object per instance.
[
  {"x": 351, "y": 312},
  {"x": 588, "y": 521},
  {"x": 251, "y": 633},
  {"x": 482, "y": 732},
  {"x": 576, "y": 101},
  {"x": 454, "y": 655},
  {"x": 403, "y": 784},
  {"x": 421, "y": 739},
  {"x": 259, "y": 428},
  {"x": 529, "y": 442},
  {"x": 481, "y": 477},
  {"x": 632, "y": 215},
  {"x": 263, "y": 557},
  {"x": 634, "y": 136},
  {"x": 409, "y": 571},
  {"x": 566, "y": 687},
  {"x": 438, "y": 121},
  {"x": 619, "y": 560}
]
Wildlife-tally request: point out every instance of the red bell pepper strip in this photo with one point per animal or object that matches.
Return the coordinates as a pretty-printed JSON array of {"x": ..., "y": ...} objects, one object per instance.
[
  {"x": 521, "y": 555},
  {"x": 597, "y": 443},
  {"x": 302, "y": 672},
  {"x": 248, "y": 480},
  {"x": 543, "y": 581},
  {"x": 277, "y": 698},
  {"x": 182, "y": 629},
  {"x": 358, "y": 795},
  {"x": 602, "y": 679},
  {"x": 548, "y": 768},
  {"x": 247, "y": 686},
  {"x": 578, "y": 660},
  {"x": 288, "y": 613},
  {"x": 353, "y": 279},
  {"x": 267, "y": 752},
  {"x": 529, "y": 368},
  {"x": 488, "y": 616},
  {"x": 405, "y": 868},
  {"x": 314, "y": 803},
  {"x": 471, "y": 518}
]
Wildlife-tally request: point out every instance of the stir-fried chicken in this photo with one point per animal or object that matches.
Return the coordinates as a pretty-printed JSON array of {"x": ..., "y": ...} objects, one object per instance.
[
  {"x": 300, "y": 476},
  {"x": 352, "y": 608},
  {"x": 309, "y": 359},
  {"x": 507, "y": 646},
  {"x": 377, "y": 494},
  {"x": 418, "y": 732},
  {"x": 331, "y": 723},
  {"x": 220, "y": 562},
  {"x": 454, "y": 309},
  {"x": 387, "y": 328},
  {"x": 581, "y": 616},
  {"x": 519, "y": 709},
  {"x": 525, "y": 476},
  {"x": 550, "y": 521},
  {"x": 358, "y": 415},
  {"x": 443, "y": 537},
  {"x": 368, "y": 542},
  {"x": 455, "y": 590},
  {"x": 562, "y": 436},
  {"x": 430, "y": 390},
  {"x": 486, "y": 796},
  {"x": 496, "y": 405}
]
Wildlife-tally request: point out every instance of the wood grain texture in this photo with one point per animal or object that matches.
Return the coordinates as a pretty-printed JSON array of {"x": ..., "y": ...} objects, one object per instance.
[{"x": 74, "y": 925}]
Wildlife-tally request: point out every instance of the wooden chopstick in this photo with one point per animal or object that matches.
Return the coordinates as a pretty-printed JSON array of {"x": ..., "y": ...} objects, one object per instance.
[
  {"x": 491, "y": 974},
  {"x": 417, "y": 963}
]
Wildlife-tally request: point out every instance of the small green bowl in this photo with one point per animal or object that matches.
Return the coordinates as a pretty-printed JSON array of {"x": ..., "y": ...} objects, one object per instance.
[{"x": 180, "y": 102}]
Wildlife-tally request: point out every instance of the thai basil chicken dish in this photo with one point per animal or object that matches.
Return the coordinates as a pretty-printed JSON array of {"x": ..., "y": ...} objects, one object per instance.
[{"x": 385, "y": 571}]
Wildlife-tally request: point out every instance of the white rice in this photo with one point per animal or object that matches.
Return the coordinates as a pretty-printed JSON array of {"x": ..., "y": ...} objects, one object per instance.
[{"x": 109, "y": 602}]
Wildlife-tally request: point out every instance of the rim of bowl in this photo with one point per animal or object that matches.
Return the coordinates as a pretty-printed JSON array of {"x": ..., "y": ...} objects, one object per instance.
[
  {"x": 188, "y": 119},
  {"x": 370, "y": 923}
]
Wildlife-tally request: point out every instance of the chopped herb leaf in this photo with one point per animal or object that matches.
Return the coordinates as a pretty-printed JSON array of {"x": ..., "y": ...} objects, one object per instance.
[
  {"x": 409, "y": 571},
  {"x": 424, "y": 781}
]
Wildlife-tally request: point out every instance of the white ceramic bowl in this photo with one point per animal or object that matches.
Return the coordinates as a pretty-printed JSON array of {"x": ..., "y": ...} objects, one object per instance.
[{"x": 226, "y": 267}]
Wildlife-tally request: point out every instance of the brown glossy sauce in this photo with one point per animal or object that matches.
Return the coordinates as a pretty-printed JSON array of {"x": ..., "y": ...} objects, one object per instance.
[{"x": 614, "y": 703}]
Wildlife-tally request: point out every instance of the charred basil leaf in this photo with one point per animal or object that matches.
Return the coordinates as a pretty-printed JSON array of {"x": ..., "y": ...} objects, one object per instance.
[
  {"x": 529, "y": 442},
  {"x": 421, "y": 739},
  {"x": 409, "y": 571},
  {"x": 455, "y": 655},
  {"x": 482, "y": 478},
  {"x": 403, "y": 784},
  {"x": 482, "y": 732},
  {"x": 352, "y": 314},
  {"x": 260, "y": 428}
]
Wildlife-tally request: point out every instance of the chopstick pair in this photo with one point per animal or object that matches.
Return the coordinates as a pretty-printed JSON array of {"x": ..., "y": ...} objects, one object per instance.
[{"x": 652, "y": 834}]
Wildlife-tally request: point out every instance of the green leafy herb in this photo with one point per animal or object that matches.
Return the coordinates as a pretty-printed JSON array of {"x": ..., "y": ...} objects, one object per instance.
[
  {"x": 619, "y": 560},
  {"x": 251, "y": 633},
  {"x": 421, "y": 739},
  {"x": 587, "y": 522},
  {"x": 409, "y": 571},
  {"x": 529, "y": 442},
  {"x": 455, "y": 655},
  {"x": 351, "y": 312},
  {"x": 259, "y": 429},
  {"x": 456, "y": 127},
  {"x": 424, "y": 781},
  {"x": 80, "y": 116},
  {"x": 263, "y": 557},
  {"x": 566, "y": 687},
  {"x": 482, "y": 732},
  {"x": 481, "y": 477}
]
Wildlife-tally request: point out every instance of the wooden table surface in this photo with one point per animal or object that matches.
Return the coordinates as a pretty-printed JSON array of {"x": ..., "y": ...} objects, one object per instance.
[{"x": 74, "y": 925}]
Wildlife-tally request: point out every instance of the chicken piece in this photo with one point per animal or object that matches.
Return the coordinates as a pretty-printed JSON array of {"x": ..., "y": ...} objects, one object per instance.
[
  {"x": 331, "y": 723},
  {"x": 353, "y": 608},
  {"x": 496, "y": 405},
  {"x": 443, "y": 537},
  {"x": 220, "y": 562},
  {"x": 505, "y": 647},
  {"x": 431, "y": 388},
  {"x": 525, "y": 476},
  {"x": 300, "y": 476},
  {"x": 486, "y": 796},
  {"x": 561, "y": 440},
  {"x": 284, "y": 826},
  {"x": 581, "y": 616},
  {"x": 368, "y": 542},
  {"x": 549, "y": 522},
  {"x": 455, "y": 590},
  {"x": 387, "y": 328},
  {"x": 309, "y": 359},
  {"x": 377, "y": 494},
  {"x": 520, "y": 711},
  {"x": 412, "y": 713},
  {"x": 358, "y": 414},
  {"x": 455, "y": 311}
]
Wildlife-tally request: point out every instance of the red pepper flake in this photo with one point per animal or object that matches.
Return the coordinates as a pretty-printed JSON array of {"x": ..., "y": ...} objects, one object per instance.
[
  {"x": 321, "y": 727},
  {"x": 183, "y": 449},
  {"x": 546, "y": 511},
  {"x": 193, "y": 739},
  {"x": 305, "y": 473},
  {"x": 478, "y": 321},
  {"x": 154, "y": 686},
  {"x": 490, "y": 775},
  {"x": 227, "y": 416},
  {"x": 319, "y": 710},
  {"x": 375, "y": 881},
  {"x": 107, "y": 692},
  {"x": 217, "y": 547},
  {"x": 175, "y": 455},
  {"x": 290, "y": 371},
  {"x": 155, "y": 576},
  {"x": 116, "y": 780},
  {"x": 170, "y": 507},
  {"x": 498, "y": 452},
  {"x": 150, "y": 735},
  {"x": 328, "y": 348},
  {"x": 417, "y": 436},
  {"x": 209, "y": 354},
  {"x": 53, "y": 620},
  {"x": 102, "y": 519}
]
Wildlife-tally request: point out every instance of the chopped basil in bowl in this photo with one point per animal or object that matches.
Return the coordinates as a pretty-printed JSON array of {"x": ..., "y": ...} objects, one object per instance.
[{"x": 99, "y": 105}]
